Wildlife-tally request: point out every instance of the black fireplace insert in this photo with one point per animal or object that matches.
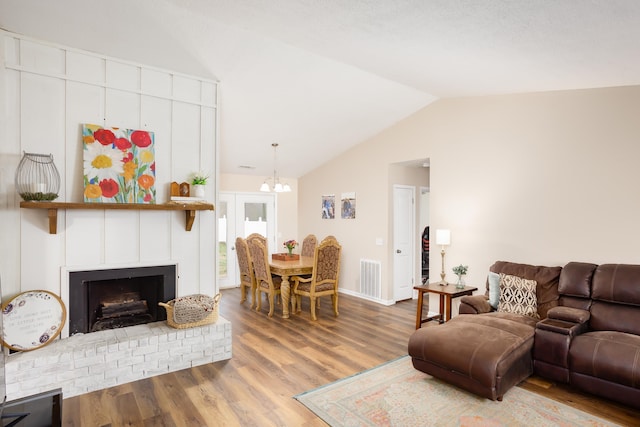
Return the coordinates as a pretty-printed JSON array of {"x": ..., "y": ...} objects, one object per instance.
[{"x": 116, "y": 298}]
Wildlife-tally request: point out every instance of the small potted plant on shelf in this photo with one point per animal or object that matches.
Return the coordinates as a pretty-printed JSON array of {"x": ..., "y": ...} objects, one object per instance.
[
  {"x": 460, "y": 271},
  {"x": 198, "y": 182}
]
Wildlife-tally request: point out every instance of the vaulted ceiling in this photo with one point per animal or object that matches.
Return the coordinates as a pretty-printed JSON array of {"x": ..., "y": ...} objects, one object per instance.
[{"x": 319, "y": 76}]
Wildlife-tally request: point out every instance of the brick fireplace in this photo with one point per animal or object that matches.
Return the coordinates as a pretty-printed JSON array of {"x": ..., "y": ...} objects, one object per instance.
[{"x": 82, "y": 362}]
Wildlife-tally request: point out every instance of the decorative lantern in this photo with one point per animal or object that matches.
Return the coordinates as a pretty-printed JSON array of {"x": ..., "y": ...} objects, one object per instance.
[{"x": 37, "y": 178}]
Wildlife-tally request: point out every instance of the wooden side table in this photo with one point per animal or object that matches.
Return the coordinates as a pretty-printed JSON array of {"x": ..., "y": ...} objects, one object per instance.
[{"x": 447, "y": 294}]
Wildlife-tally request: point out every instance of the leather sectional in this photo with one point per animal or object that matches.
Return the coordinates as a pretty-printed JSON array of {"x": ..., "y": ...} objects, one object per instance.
[{"x": 587, "y": 335}]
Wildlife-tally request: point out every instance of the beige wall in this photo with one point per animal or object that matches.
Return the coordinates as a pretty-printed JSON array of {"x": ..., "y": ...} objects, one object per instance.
[
  {"x": 542, "y": 178},
  {"x": 286, "y": 205}
]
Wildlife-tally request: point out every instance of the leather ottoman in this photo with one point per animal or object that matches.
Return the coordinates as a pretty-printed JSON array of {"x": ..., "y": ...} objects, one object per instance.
[{"x": 485, "y": 354}]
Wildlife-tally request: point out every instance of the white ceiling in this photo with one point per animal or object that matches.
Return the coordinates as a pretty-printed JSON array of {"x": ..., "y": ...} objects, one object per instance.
[{"x": 319, "y": 76}]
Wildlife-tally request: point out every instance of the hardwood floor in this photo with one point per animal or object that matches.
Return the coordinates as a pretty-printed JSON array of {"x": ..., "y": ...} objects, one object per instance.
[{"x": 273, "y": 360}]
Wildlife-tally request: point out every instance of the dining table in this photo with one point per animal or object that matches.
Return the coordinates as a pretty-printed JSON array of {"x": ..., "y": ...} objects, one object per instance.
[{"x": 286, "y": 269}]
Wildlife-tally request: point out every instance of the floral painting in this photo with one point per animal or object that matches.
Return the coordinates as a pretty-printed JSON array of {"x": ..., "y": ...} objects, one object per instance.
[{"x": 119, "y": 165}]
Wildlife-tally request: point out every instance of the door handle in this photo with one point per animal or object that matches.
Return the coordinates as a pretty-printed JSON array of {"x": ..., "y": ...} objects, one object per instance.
[{"x": 398, "y": 251}]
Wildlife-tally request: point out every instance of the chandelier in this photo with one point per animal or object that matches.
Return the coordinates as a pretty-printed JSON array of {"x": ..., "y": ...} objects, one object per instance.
[{"x": 277, "y": 186}]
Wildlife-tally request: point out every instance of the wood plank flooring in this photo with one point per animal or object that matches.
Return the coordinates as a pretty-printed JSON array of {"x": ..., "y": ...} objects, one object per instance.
[{"x": 275, "y": 359}]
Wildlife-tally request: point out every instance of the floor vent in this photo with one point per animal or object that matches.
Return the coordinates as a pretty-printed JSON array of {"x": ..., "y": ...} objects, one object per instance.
[{"x": 370, "y": 278}]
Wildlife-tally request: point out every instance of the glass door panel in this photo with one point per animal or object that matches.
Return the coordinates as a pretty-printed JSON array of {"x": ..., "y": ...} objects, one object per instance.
[{"x": 241, "y": 214}]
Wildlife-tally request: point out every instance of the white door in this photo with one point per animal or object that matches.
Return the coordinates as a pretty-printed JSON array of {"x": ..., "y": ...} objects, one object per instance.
[
  {"x": 240, "y": 214},
  {"x": 404, "y": 241}
]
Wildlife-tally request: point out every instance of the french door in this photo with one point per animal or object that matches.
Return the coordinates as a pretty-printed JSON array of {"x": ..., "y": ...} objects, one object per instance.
[{"x": 240, "y": 214}]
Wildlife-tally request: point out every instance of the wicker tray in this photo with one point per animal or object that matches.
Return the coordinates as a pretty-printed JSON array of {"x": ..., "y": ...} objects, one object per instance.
[{"x": 211, "y": 318}]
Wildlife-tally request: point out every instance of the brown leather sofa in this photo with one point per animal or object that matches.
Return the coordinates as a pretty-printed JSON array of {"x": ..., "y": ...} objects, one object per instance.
[
  {"x": 592, "y": 339},
  {"x": 589, "y": 335}
]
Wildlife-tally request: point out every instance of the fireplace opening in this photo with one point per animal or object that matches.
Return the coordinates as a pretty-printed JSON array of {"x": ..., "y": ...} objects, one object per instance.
[{"x": 117, "y": 298}]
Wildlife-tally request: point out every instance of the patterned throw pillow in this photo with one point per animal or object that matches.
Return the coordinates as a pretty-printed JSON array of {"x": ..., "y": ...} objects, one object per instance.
[{"x": 518, "y": 296}]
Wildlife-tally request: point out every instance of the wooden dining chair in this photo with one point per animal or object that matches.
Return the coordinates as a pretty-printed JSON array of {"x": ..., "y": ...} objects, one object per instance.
[
  {"x": 247, "y": 275},
  {"x": 260, "y": 237},
  {"x": 265, "y": 282},
  {"x": 330, "y": 237},
  {"x": 324, "y": 279},
  {"x": 309, "y": 245},
  {"x": 262, "y": 240}
]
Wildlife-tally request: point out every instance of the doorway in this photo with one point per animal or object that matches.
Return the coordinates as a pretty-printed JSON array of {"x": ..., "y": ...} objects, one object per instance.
[
  {"x": 409, "y": 182},
  {"x": 423, "y": 225},
  {"x": 241, "y": 214}
]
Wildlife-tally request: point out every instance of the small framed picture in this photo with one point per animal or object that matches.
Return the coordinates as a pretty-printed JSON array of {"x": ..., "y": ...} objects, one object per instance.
[
  {"x": 348, "y": 204},
  {"x": 328, "y": 206}
]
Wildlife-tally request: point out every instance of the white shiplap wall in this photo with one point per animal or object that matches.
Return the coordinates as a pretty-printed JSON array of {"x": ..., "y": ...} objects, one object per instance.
[{"x": 47, "y": 92}]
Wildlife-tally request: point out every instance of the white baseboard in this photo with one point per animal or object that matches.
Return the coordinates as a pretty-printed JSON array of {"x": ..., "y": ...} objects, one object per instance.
[{"x": 368, "y": 298}]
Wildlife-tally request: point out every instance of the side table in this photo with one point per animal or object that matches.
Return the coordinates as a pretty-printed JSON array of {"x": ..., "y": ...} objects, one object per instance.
[{"x": 447, "y": 294}]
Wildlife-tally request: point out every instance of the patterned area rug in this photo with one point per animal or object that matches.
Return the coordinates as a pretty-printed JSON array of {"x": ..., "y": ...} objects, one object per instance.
[{"x": 396, "y": 394}]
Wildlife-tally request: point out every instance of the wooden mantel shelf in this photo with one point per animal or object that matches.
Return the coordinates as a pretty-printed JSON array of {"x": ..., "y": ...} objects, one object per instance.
[{"x": 189, "y": 209}]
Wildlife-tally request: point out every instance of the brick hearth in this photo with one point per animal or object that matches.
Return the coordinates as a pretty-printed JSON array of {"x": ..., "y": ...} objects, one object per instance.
[{"x": 83, "y": 363}]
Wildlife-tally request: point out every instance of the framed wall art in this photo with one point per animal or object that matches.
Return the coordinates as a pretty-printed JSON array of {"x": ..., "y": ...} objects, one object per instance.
[
  {"x": 348, "y": 205},
  {"x": 119, "y": 165},
  {"x": 328, "y": 206}
]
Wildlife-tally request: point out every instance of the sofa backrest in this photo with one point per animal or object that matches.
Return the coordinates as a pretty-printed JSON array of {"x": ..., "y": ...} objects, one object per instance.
[
  {"x": 575, "y": 285},
  {"x": 547, "y": 279},
  {"x": 616, "y": 298}
]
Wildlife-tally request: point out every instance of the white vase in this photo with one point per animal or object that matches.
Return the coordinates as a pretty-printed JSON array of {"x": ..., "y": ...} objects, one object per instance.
[{"x": 198, "y": 191}]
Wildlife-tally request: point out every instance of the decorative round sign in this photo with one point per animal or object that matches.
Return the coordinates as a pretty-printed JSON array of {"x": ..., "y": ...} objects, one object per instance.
[{"x": 32, "y": 320}]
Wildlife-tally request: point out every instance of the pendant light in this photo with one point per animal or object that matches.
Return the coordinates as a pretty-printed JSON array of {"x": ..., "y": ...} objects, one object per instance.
[{"x": 277, "y": 186}]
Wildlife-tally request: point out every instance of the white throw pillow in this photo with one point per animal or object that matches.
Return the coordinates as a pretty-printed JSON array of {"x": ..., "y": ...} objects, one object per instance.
[
  {"x": 518, "y": 296},
  {"x": 494, "y": 289}
]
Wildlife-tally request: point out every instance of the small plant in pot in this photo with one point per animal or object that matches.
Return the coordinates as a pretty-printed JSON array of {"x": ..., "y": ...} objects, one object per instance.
[
  {"x": 199, "y": 178},
  {"x": 198, "y": 182}
]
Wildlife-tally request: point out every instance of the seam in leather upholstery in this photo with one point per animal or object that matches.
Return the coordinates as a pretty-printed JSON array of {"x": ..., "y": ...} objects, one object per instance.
[
  {"x": 594, "y": 358},
  {"x": 613, "y": 281},
  {"x": 500, "y": 329},
  {"x": 635, "y": 371},
  {"x": 471, "y": 359}
]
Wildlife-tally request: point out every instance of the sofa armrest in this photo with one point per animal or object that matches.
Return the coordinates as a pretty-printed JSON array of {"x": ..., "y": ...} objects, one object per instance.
[
  {"x": 474, "y": 304},
  {"x": 565, "y": 321},
  {"x": 569, "y": 314},
  {"x": 552, "y": 342},
  {"x": 562, "y": 327}
]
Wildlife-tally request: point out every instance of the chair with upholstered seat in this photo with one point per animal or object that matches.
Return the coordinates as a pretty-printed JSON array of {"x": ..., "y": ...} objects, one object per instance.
[
  {"x": 324, "y": 280},
  {"x": 309, "y": 245},
  {"x": 265, "y": 282},
  {"x": 260, "y": 237},
  {"x": 262, "y": 240},
  {"x": 247, "y": 276},
  {"x": 309, "y": 249}
]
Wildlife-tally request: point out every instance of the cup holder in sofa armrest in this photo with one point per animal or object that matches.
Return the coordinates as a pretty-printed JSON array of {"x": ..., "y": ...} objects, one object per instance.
[
  {"x": 561, "y": 327},
  {"x": 569, "y": 314}
]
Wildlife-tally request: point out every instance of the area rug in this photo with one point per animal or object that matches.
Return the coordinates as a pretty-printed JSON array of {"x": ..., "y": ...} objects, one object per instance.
[{"x": 396, "y": 394}]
